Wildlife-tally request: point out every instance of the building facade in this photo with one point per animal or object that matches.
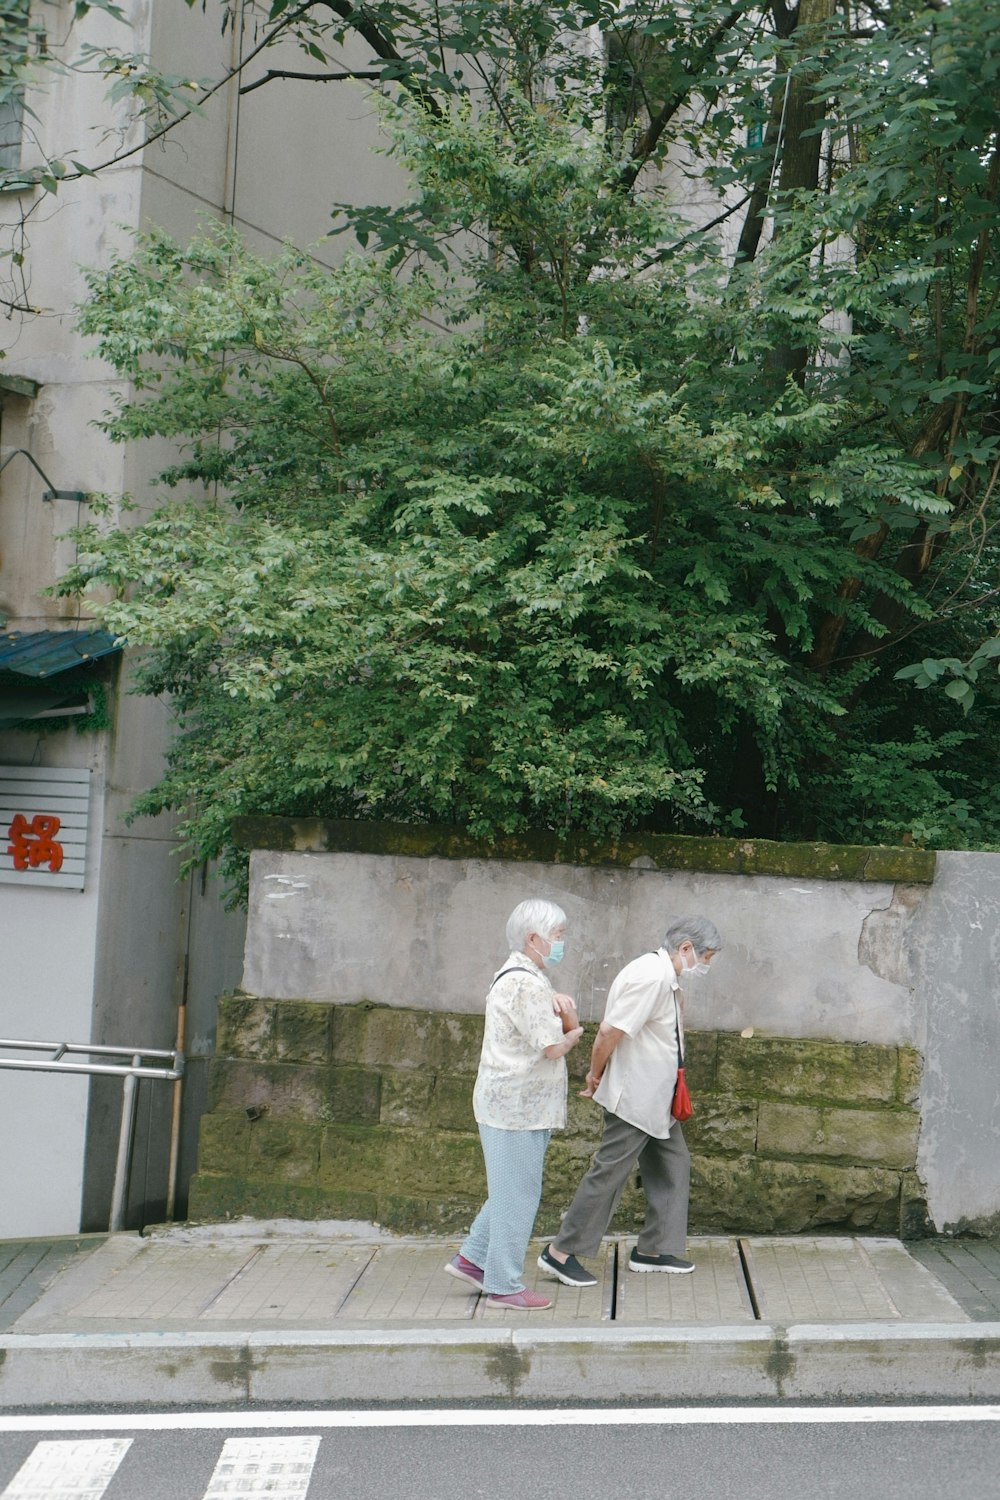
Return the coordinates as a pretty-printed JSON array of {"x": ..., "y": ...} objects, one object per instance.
[{"x": 112, "y": 948}]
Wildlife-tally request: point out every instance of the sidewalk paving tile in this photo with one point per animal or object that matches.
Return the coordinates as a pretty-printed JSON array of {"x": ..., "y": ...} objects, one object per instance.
[
  {"x": 256, "y": 1283},
  {"x": 298, "y": 1283},
  {"x": 132, "y": 1284},
  {"x": 970, "y": 1269},
  {"x": 407, "y": 1285},
  {"x": 715, "y": 1293},
  {"x": 834, "y": 1280},
  {"x": 571, "y": 1306},
  {"x": 915, "y": 1293},
  {"x": 161, "y": 1288},
  {"x": 28, "y": 1266}
]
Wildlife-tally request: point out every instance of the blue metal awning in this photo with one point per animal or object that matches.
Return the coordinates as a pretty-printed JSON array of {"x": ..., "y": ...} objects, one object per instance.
[{"x": 43, "y": 653}]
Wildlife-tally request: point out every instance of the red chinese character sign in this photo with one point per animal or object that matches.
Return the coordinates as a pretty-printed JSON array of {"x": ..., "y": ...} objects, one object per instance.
[
  {"x": 34, "y": 844},
  {"x": 43, "y": 825}
]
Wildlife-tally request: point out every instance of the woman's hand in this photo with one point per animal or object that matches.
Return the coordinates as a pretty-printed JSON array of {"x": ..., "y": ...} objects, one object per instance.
[{"x": 565, "y": 1008}]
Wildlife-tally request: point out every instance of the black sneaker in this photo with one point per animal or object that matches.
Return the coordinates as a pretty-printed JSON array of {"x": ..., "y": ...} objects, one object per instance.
[
  {"x": 639, "y": 1262},
  {"x": 570, "y": 1272}
]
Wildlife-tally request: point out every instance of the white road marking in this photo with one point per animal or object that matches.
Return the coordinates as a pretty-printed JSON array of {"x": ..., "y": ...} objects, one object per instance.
[
  {"x": 67, "y": 1470},
  {"x": 643, "y": 1416},
  {"x": 263, "y": 1466}
]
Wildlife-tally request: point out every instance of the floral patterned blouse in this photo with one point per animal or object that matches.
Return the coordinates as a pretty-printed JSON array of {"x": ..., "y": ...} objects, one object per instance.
[{"x": 518, "y": 1087}]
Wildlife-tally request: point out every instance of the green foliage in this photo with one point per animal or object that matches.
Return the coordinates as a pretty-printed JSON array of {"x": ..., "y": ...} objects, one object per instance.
[
  {"x": 959, "y": 677},
  {"x": 538, "y": 513},
  {"x": 915, "y": 790}
]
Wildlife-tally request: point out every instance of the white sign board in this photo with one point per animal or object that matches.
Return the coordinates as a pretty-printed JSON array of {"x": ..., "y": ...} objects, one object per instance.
[{"x": 43, "y": 826}]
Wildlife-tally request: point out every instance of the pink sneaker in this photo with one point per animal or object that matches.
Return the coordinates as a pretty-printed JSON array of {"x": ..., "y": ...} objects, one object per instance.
[
  {"x": 465, "y": 1271},
  {"x": 523, "y": 1301}
]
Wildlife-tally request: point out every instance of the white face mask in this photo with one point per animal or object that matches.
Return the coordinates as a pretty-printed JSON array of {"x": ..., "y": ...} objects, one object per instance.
[{"x": 695, "y": 970}]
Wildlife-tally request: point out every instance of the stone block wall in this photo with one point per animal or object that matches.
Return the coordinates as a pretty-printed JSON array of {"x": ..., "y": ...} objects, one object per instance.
[{"x": 365, "y": 1111}]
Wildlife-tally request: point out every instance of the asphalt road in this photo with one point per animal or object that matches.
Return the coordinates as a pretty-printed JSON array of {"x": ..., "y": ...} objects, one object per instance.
[{"x": 713, "y": 1454}]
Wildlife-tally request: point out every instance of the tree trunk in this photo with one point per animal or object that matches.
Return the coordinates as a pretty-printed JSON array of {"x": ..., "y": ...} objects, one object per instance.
[
  {"x": 785, "y": 21},
  {"x": 832, "y": 626},
  {"x": 800, "y": 150}
]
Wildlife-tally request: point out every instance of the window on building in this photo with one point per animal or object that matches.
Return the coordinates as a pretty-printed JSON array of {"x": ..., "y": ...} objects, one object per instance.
[{"x": 16, "y": 33}]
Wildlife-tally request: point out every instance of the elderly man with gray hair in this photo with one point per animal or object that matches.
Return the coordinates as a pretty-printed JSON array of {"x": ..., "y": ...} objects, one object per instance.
[{"x": 633, "y": 1070}]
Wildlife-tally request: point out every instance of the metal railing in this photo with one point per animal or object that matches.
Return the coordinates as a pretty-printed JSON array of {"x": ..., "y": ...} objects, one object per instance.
[{"x": 129, "y": 1072}]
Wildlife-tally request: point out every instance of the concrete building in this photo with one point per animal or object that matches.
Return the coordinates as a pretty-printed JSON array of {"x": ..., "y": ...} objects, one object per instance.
[{"x": 108, "y": 948}]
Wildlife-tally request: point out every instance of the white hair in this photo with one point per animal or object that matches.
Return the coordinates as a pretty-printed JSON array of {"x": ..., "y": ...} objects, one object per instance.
[
  {"x": 535, "y": 915},
  {"x": 702, "y": 934}
]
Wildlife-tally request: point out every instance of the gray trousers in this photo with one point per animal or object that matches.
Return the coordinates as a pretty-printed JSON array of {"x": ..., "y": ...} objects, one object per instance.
[{"x": 666, "y": 1178}]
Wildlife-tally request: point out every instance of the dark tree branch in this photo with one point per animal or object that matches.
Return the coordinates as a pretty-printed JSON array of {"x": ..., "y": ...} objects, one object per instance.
[
  {"x": 384, "y": 47},
  {"x": 648, "y": 141},
  {"x": 273, "y": 73},
  {"x": 20, "y": 307},
  {"x": 227, "y": 77},
  {"x": 695, "y": 234},
  {"x": 753, "y": 224}
]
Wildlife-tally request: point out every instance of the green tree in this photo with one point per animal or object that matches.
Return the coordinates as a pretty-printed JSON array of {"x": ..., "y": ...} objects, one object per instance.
[{"x": 645, "y": 538}]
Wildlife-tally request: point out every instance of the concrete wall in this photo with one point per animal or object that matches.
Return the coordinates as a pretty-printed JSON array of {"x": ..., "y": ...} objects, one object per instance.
[
  {"x": 895, "y": 963},
  {"x": 408, "y": 931},
  {"x": 953, "y": 953},
  {"x": 48, "y": 941}
]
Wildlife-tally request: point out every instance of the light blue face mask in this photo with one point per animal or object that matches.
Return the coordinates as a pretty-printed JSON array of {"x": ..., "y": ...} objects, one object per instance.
[{"x": 557, "y": 953}]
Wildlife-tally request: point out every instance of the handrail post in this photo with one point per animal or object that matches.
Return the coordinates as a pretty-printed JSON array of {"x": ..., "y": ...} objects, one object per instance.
[
  {"x": 125, "y": 1138},
  {"x": 130, "y": 1073}
]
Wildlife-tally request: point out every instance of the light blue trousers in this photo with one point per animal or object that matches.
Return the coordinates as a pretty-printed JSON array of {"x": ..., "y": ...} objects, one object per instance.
[{"x": 502, "y": 1228}]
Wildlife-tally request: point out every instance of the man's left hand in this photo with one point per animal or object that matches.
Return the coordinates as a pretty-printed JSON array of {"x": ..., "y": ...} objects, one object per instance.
[{"x": 590, "y": 1086}]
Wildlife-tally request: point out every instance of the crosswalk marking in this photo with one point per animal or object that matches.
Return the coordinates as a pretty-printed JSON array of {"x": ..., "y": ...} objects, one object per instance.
[
  {"x": 263, "y": 1466},
  {"x": 68, "y": 1470},
  {"x": 282, "y": 1467}
]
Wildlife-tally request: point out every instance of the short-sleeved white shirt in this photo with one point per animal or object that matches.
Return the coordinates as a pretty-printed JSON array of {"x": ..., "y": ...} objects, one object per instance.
[
  {"x": 518, "y": 1087},
  {"x": 638, "y": 1082}
]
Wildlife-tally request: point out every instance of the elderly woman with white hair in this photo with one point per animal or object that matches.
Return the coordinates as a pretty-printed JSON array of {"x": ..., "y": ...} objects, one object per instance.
[{"x": 519, "y": 1099}]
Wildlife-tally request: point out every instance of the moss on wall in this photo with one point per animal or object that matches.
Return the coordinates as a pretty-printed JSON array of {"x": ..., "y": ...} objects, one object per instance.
[
  {"x": 364, "y": 1111},
  {"x": 653, "y": 851}
]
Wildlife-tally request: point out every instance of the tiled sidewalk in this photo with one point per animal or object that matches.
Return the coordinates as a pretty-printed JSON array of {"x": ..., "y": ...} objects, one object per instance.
[
  {"x": 269, "y": 1313},
  {"x": 176, "y": 1281}
]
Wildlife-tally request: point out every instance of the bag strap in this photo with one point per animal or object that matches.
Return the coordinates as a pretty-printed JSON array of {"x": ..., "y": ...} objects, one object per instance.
[
  {"x": 514, "y": 969},
  {"x": 677, "y": 1018}
]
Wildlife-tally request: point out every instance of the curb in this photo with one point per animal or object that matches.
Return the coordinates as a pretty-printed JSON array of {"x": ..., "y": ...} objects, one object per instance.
[{"x": 860, "y": 1361}]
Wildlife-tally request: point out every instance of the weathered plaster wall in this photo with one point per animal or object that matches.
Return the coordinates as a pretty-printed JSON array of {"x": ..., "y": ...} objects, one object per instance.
[{"x": 404, "y": 930}]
